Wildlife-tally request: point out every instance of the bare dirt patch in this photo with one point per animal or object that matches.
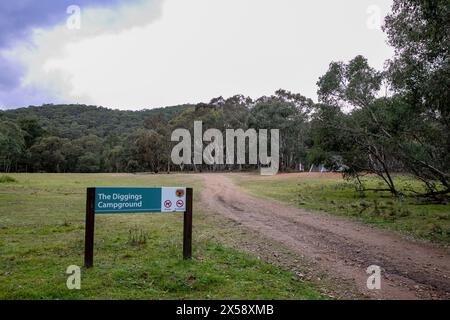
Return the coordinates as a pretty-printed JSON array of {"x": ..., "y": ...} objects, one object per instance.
[{"x": 335, "y": 246}]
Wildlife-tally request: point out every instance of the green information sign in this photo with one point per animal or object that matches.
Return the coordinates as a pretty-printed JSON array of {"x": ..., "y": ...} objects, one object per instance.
[
  {"x": 135, "y": 200},
  {"x": 106, "y": 200}
]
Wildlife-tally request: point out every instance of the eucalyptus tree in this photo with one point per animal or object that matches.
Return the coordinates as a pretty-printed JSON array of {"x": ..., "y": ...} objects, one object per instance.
[
  {"x": 12, "y": 144},
  {"x": 419, "y": 30}
]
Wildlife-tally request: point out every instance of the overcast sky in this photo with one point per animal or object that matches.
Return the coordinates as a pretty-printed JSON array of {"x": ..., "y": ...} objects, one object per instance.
[{"x": 135, "y": 54}]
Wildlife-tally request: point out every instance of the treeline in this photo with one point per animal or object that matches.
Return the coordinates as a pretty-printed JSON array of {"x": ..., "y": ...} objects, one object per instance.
[
  {"x": 75, "y": 138},
  {"x": 366, "y": 122}
]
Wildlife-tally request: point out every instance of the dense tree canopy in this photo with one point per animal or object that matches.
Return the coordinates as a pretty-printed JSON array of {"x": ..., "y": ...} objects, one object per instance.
[
  {"x": 94, "y": 139},
  {"x": 407, "y": 131}
]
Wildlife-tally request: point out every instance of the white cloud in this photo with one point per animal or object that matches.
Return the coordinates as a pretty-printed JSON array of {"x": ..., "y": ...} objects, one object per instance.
[{"x": 200, "y": 49}]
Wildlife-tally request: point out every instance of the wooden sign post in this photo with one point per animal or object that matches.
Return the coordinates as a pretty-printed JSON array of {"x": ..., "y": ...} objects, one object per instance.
[
  {"x": 187, "y": 226},
  {"x": 135, "y": 200},
  {"x": 90, "y": 223}
]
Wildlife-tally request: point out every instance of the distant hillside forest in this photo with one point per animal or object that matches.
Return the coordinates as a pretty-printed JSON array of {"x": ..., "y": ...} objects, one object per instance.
[
  {"x": 366, "y": 121},
  {"x": 79, "y": 138}
]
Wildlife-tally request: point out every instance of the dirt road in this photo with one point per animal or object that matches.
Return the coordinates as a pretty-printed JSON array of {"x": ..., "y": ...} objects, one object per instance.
[{"x": 338, "y": 246}]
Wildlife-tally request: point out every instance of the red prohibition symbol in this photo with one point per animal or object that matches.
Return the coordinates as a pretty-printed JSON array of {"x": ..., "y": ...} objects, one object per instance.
[
  {"x": 167, "y": 203},
  {"x": 180, "y": 203}
]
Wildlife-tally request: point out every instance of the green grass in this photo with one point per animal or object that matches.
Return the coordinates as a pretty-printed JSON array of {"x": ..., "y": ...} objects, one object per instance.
[
  {"x": 339, "y": 197},
  {"x": 42, "y": 233},
  {"x": 7, "y": 179}
]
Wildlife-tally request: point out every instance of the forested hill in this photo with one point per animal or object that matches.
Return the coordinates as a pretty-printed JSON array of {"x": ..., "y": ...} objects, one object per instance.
[
  {"x": 77, "y": 121},
  {"x": 79, "y": 138}
]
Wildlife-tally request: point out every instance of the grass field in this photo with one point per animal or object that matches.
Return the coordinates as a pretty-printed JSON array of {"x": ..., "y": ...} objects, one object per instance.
[
  {"x": 336, "y": 196},
  {"x": 42, "y": 233}
]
